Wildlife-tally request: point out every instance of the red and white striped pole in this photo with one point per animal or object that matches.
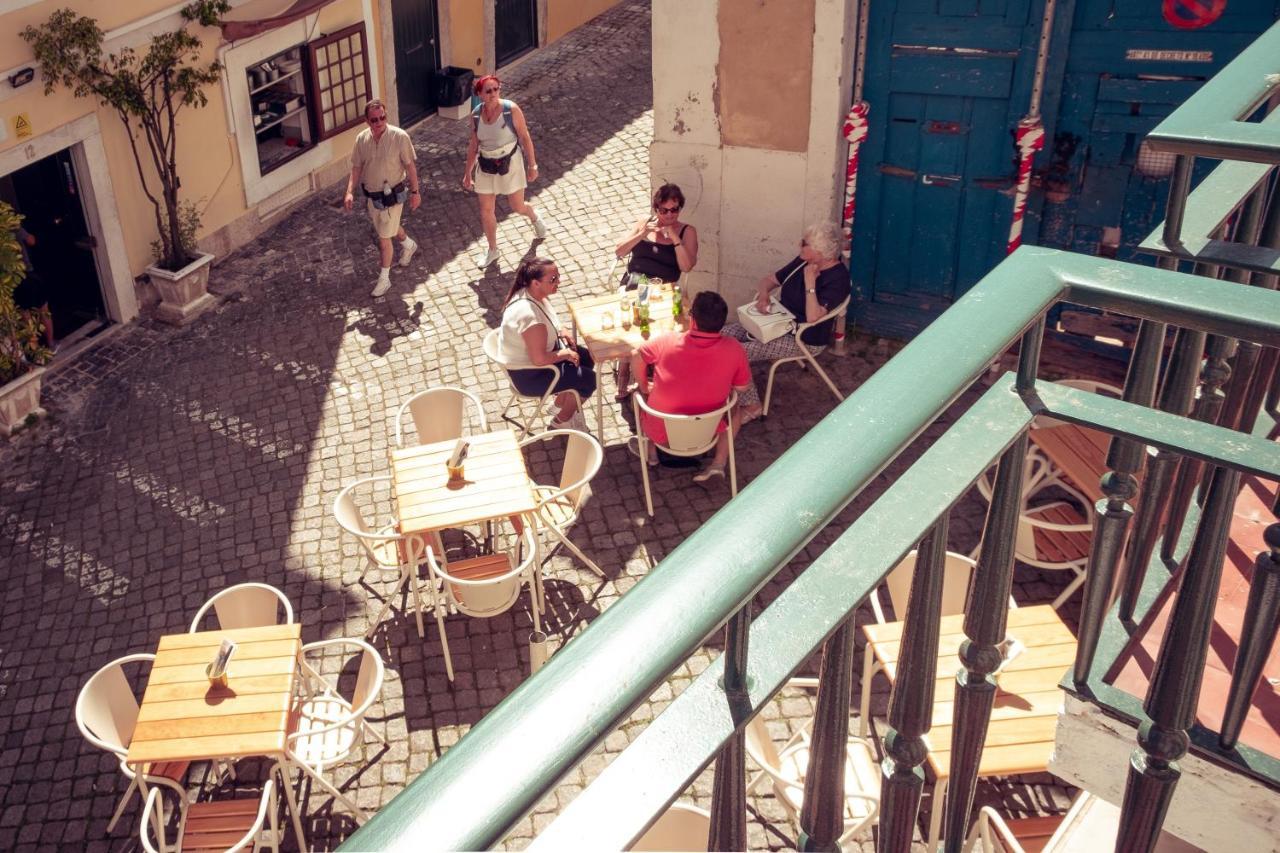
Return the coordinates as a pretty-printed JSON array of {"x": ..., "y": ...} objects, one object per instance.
[
  {"x": 855, "y": 130},
  {"x": 1029, "y": 139}
]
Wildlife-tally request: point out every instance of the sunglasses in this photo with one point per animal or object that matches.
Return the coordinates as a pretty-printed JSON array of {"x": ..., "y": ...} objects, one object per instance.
[
  {"x": 667, "y": 209},
  {"x": 804, "y": 244},
  {"x": 376, "y": 119},
  {"x": 490, "y": 90}
]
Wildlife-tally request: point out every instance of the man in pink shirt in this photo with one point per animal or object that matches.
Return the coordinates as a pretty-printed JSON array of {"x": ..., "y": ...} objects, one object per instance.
[{"x": 693, "y": 372}]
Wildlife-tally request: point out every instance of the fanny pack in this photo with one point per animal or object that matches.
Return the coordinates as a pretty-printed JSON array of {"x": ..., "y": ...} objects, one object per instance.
[
  {"x": 497, "y": 165},
  {"x": 393, "y": 196}
]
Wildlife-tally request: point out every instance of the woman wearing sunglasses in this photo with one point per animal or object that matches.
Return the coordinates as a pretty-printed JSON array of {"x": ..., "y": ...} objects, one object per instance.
[
  {"x": 500, "y": 161},
  {"x": 661, "y": 247}
]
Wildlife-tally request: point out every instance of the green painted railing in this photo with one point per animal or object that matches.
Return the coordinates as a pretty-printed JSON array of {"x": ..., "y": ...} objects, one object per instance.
[{"x": 478, "y": 790}]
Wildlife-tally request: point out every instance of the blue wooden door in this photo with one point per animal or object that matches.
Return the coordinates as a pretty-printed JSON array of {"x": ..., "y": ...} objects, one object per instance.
[{"x": 947, "y": 80}]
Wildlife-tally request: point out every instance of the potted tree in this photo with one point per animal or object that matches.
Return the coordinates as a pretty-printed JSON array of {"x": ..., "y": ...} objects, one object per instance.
[
  {"x": 147, "y": 89},
  {"x": 21, "y": 332}
]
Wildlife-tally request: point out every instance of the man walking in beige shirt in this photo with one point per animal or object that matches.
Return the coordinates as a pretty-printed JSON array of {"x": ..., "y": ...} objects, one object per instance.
[{"x": 384, "y": 168}]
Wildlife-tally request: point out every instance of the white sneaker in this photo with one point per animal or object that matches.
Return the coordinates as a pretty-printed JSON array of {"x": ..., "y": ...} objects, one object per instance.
[
  {"x": 708, "y": 472},
  {"x": 383, "y": 285},
  {"x": 490, "y": 257},
  {"x": 407, "y": 248},
  {"x": 540, "y": 228}
]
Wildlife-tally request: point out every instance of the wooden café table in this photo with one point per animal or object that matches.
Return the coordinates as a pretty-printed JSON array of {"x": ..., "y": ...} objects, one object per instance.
[
  {"x": 1080, "y": 453},
  {"x": 1024, "y": 719},
  {"x": 185, "y": 718},
  {"x": 597, "y": 322}
]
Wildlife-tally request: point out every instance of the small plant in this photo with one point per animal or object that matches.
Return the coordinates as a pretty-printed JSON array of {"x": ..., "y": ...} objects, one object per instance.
[
  {"x": 21, "y": 329},
  {"x": 147, "y": 90},
  {"x": 188, "y": 225}
]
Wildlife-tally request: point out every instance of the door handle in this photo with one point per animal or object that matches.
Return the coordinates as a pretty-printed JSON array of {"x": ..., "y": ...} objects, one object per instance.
[
  {"x": 940, "y": 180},
  {"x": 896, "y": 171}
]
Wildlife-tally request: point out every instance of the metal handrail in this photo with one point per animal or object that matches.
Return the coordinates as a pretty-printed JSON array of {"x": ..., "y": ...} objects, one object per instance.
[{"x": 480, "y": 788}]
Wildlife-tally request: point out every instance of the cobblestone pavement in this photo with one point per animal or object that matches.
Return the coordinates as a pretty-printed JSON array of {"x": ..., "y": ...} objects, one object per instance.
[{"x": 176, "y": 462}]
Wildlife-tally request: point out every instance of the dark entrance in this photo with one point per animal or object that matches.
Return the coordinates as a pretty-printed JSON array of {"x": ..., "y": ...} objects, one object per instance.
[
  {"x": 417, "y": 57},
  {"x": 64, "y": 274},
  {"x": 515, "y": 29}
]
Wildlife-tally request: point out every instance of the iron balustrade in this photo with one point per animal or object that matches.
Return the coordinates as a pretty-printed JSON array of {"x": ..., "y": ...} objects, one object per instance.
[{"x": 477, "y": 791}]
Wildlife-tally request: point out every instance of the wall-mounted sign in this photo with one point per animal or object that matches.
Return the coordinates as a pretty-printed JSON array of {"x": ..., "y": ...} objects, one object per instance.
[
  {"x": 22, "y": 126},
  {"x": 22, "y": 78},
  {"x": 1135, "y": 54},
  {"x": 1192, "y": 14}
]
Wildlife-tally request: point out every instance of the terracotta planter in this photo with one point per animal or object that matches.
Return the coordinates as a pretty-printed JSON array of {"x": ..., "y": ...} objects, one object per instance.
[
  {"x": 19, "y": 400},
  {"x": 183, "y": 294}
]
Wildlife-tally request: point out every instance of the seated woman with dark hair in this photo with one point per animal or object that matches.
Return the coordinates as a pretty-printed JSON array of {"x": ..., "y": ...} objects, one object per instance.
[
  {"x": 810, "y": 285},
  {"x": 661, "y": 247},
  {"x": 531, "y": 337},
  {"x": 693, "y": 373}
]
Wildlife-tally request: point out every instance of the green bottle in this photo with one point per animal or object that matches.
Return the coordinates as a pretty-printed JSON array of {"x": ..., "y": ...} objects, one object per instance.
[
  {"x": 644, "y": 319},
  {"x": 677, "y": 303}
]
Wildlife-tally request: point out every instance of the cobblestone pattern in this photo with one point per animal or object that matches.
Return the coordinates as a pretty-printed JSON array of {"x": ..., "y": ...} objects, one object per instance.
[{"x": 179, "y": 461}]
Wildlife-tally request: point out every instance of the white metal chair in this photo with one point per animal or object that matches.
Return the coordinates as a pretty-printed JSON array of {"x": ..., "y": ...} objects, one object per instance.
[
  {"x": 439, "y": 414},
  {"x": 229, "y": 825},
  {"x": 1056, "y": 535},
  {"x": 559, "y": 505},
  {"x": 493, "y": 351},
  {"x": 806, "y": 355},
  {"x": 330, "y": 726},
  {"x": 785, "y": 769},
  {"x": 106, "y": 714},
  {"x": 957, "y": 570},
  {"x": 687, "y": 435},
  {"x": 246, "y": 605},
  {"x": 386, "y": 549},
  {"x": 681, "y": 827},
  {"x": 489, "y": 585}
]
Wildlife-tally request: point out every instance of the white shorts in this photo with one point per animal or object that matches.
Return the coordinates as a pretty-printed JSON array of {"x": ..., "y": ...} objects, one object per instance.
[
  {"x": 386, "y": 221},
  {"x": 512, "y": 182}
]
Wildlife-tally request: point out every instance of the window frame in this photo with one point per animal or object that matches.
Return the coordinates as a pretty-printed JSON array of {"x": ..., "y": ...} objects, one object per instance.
[{"x": 313, "y": 68}]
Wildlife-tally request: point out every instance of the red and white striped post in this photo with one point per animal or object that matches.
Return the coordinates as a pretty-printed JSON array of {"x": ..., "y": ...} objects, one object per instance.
[
  {"x": 855, "y": 130},
  {"x": 1029, "y": 139}
]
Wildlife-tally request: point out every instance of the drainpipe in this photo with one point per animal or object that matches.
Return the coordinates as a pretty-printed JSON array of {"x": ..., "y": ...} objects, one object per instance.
[
  {"x": 1029, "y": 136},
  {"x": 855, "y": 130}
]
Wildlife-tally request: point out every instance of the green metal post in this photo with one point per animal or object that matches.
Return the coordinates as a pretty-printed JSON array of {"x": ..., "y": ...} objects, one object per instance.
[
  {"x": 984, "y": 627},
  {"x": 729, "y": 792},
  {"x": 1261, "y": 621},
  {"x": 822, "y": 812},
  {"x": 1175, "y": 685},
  {"x": 911, "y": 705}
]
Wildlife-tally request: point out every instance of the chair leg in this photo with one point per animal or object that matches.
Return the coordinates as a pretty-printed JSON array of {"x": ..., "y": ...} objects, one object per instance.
[
  {"x": 444, "y": 639},
  {"x": 386, "y": 606},
  {"x": 733, "y": 464},
  {"x": 507, "y": 407},
  {"x": 644, "y": 471},
  {"x": 768, "y": 386},
  {"x": 356, "y": 811},
  {"x": 825, "y": 378},
  {"x": 124, "y": 801},
  {"x": 417, "y": 602},
  {"x": 575, "y": 549},
  {"x": 869, "y": 670},
  {"x": 1075, "y": 584}
]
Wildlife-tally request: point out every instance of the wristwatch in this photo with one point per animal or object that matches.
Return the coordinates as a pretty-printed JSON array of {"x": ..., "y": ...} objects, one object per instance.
[{"x": 813, "y": 290}]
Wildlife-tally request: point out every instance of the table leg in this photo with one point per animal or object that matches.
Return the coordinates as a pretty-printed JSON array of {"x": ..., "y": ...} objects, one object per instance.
[
  {"x": 291, "y": 801},
  {"x": 937, "y": 805},
  {"x": 600, "y": 414}
]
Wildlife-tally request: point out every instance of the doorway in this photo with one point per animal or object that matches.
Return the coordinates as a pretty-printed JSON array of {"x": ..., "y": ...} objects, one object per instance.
[
  {"x": 515, "y": 29},
  {"x": 64, "y": 274},
  {"x": 417, "y": 57}
]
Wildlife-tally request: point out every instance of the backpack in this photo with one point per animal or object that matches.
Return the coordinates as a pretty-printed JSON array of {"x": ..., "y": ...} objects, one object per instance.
[{"x": 506, "y": 117}]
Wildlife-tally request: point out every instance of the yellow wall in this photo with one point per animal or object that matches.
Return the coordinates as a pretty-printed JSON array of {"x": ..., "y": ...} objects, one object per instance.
[
  {"x": 466, "y": 34},
  {"x": 207, "y": 158},
  {"x": 765, "y": 104},
  {"x": 565, "y": 15}
]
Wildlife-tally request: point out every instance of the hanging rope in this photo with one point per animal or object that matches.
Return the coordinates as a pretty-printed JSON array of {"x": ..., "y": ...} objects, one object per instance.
[{"x": 1029, "y": 139}]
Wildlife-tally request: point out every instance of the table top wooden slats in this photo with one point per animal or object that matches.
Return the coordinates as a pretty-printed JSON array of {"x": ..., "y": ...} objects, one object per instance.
[
  {"x": 1021, "y": 733},
  {"x": 618, "y": 343},
  {"x": 1080, "y": 452},
  {"x": 496, "y": 483},
  {"x": 184, "y": 718}
]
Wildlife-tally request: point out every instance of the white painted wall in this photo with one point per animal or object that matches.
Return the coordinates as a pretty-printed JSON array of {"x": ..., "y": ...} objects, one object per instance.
[
  {"x": 1212, "y": 807},
  {"x": 748, "y": 204}
]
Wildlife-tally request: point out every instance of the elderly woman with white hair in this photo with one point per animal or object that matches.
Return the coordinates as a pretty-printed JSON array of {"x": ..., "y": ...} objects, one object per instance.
[{"x": 811, "y": 284}]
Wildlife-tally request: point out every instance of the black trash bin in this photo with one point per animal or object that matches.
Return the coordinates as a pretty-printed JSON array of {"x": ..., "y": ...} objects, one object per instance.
[{"x": 451, "y": 86}]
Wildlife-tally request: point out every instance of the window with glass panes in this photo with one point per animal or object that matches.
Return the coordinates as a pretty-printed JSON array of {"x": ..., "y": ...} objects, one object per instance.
[{"x": 339, "y": 65}]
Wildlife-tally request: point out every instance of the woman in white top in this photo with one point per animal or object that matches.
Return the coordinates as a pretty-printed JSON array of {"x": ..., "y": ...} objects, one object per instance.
[
  {"x": 499, "y": 136},
  {"x": 531, "y": 339}
]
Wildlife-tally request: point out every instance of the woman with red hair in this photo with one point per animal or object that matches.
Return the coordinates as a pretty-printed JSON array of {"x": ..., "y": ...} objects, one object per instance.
[{"x": 499, "y": 135}]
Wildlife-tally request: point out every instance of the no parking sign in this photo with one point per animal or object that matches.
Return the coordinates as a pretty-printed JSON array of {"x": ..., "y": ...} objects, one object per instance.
[{"x": 1192, "y": 14}]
